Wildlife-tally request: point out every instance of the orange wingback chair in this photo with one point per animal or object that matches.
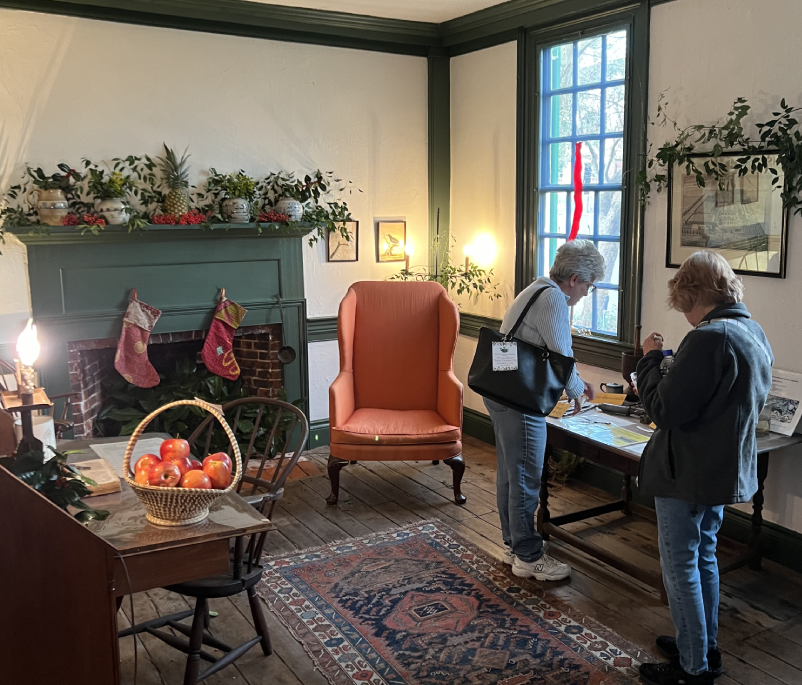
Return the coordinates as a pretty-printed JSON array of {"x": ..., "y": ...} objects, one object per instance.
[{"x": 396, "y": 396}]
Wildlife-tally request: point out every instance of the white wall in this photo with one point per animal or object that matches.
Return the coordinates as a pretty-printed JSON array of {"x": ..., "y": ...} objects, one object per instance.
[
  {"x": 703, "y": 76},
  {"x": 483, "y": 102}
]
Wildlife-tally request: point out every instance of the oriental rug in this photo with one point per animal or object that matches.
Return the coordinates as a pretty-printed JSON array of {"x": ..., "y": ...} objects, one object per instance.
[{"x": 419, "y": 605}]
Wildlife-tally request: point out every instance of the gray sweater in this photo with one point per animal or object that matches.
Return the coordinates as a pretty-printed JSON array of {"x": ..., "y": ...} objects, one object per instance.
[{"x": 706, "y": 409}]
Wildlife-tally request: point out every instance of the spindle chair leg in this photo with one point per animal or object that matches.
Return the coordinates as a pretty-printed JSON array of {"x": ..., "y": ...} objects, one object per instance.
[
  {"x": 196, "y": 642},
  {"x": 259, "y": 621}
]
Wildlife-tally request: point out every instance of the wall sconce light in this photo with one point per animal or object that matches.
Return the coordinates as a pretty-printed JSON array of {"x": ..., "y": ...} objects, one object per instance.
[
  {"x": 468, "y": 250},
  {"x": 484, "y": 250}
]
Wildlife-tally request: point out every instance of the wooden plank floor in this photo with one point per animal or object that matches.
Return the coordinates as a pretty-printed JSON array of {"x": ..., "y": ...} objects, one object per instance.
[{"x": 760, "y": 617}]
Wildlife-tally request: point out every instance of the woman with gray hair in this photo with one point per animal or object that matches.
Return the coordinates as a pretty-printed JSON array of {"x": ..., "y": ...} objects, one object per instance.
[{"x": 521, "y": 439}]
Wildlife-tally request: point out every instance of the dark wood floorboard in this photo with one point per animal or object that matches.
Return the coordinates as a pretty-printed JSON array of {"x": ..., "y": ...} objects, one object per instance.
[{"x": 760, "y": 616}]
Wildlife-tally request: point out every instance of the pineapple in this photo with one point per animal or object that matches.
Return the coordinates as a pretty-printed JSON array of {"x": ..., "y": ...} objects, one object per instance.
[{"x": 176, "y": 174}]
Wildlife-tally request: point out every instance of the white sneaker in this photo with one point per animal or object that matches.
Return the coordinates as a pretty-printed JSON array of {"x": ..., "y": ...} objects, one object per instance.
[
  {"x": 545, "y": 568},
  {"x": 508, "y": 557}
]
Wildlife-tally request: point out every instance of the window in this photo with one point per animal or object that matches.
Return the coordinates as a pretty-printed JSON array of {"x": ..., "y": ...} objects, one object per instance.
[{"x": 583, "y": 101}]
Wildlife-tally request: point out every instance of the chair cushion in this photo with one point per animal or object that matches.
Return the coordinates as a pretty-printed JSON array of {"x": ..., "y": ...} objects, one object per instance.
[{"x": 395, "y": 427}]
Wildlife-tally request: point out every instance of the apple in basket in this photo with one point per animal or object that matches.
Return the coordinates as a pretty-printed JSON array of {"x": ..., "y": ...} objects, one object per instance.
[
  {"x": 141, "y": 477},
  {"x": 195, "y": 464},
  {"x": 218, "y": 468},
  {"x": 174, "y": 447},
  {"x": 145, "y": 462},
  {"x": 196, "y": 479},
  {"x": 183, "y": 463},
  {"x": 165, "y": 474}
]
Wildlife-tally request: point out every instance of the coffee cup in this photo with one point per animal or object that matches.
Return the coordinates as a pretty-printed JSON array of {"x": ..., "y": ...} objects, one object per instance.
[{"x": 612, "y": 388}]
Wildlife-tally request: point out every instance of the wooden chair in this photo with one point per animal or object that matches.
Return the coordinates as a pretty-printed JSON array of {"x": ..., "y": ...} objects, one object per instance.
[{"x": 276, "y": 426}]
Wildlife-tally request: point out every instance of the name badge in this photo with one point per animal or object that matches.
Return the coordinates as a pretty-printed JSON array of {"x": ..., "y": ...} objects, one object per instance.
[{"x": 505, "y": 356}]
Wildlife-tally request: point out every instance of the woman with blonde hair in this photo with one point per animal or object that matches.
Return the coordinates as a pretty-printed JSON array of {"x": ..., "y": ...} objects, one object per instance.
[{"x": 703, "y": 453}]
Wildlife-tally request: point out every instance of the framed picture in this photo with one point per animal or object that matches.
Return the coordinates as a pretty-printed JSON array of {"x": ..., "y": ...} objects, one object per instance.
[
  {"x": 338, "y": 249},
  {"x": 741, "y": 218},
  {"x": 391, "y": 238}
]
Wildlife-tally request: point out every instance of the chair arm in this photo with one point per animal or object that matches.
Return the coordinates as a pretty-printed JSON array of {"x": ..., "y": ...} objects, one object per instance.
[
  {"x": 341, "y": 399},
  {"x": 449, "y": 398}
]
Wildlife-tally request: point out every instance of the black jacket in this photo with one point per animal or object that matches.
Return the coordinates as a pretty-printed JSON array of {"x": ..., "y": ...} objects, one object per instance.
[{"x": 705, "y": 410}]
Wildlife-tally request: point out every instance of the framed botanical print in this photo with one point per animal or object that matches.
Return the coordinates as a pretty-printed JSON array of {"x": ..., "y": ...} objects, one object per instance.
[
  {"x": 391, "y": 239},
  {"x": 342, "y": 249},
  {"x": 742, "y": 218}
]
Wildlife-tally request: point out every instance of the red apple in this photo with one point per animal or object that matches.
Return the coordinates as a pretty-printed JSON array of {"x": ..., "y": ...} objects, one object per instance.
[
  {"x": 218, "y": 473},
  {"x": 219, "y": 456},
  {"x": 195, "y": 464},
  {"x": 174, "y": 447},
  {"x": 141, "y": 476},
  {"x": 184, "y": 465},
  {"x": 165, "y": 474},
  {"x": 196, "y": 479},
  {"x": 146, "y": 461}
]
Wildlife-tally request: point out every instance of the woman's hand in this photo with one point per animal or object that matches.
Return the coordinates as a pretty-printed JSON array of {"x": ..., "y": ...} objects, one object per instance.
[
  {"x": 578, "y": 402},
  {"x": 652, "y": 343},
  {"x": 590, "y": 391}
]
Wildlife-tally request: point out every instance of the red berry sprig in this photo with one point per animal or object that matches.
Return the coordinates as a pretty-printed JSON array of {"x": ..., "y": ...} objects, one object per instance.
[{"x": 274, "y": 217}]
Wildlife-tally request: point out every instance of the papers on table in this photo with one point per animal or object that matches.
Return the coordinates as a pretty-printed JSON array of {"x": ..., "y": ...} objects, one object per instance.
[
  {"x": 114, "y": 452},
  {"x": 784, "y": 398}
]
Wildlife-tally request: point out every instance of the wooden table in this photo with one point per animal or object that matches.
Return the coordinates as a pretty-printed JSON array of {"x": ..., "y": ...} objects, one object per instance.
[
  {"x": 571, "y": 434},
  {"x": 61, "y": 581}
]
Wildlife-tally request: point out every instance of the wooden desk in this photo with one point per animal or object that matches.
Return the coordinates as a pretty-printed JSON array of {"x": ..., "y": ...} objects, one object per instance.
[
  {"x": 60, "y": 580},
  {"x": 570, "y": 434}
]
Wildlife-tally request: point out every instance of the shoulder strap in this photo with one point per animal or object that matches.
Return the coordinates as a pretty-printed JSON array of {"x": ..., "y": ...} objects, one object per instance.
[
  {"x": 521, "y": 318},
  {"x": 742, "y": 325}
]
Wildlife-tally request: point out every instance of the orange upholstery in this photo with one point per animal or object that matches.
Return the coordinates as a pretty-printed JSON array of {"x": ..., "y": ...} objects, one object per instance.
[{"x": 396, "y": 396}]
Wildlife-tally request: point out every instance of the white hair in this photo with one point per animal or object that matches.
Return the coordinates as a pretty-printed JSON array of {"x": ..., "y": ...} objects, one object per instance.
[{"x": 578, "y": 257}]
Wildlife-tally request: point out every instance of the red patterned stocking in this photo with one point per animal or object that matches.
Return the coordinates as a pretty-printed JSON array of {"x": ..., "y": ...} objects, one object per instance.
[
  {"x": 131, "y": 359},
  {"x": 218, "y": 353}
]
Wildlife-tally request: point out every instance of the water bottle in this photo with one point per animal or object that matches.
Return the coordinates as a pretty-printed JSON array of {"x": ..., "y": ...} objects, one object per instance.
[{"x": 668, "y": 360}]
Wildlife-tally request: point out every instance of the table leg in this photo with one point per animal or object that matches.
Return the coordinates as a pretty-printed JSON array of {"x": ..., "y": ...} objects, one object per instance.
[
  {"x": 626, "y": 494},
  {"x": 543, "y": 514},
  {"x": 756, "y": 538}
]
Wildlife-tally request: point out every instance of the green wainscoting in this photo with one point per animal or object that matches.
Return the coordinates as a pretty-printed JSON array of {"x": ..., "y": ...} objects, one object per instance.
[{"x": 80, "y": 287}]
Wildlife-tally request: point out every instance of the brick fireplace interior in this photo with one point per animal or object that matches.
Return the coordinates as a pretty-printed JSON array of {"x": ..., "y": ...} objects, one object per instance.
[{"x": 92, "y": 361}]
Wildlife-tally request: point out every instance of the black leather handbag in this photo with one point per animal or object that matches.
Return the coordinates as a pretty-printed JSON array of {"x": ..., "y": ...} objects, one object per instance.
[{"x": 535, "y": 387}]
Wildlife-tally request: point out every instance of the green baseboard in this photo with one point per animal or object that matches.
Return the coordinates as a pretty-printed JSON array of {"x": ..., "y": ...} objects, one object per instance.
[
  {"x": 781, "y": 545},
  {"x": 318, "y": 433}
]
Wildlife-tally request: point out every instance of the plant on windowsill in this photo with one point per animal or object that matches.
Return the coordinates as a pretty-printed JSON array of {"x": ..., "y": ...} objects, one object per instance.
[
  {"x": 781, "y": 136},
  {"x": 473, "y": 281},
  {"x": 57, "y": 480}
]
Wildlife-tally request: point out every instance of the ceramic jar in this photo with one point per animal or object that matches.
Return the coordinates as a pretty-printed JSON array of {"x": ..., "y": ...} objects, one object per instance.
[
  {"x": 51, "y": 205},
  {"x": 292, "y": 208},
  {"x": 114, "y": 211},
  {"x": 237, "y": 210}
]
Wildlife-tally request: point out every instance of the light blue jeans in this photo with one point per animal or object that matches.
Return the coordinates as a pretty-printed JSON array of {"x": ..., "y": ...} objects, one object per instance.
[
  {"x": 520, "y": 448},
  {"x": 687, "y": 534}
]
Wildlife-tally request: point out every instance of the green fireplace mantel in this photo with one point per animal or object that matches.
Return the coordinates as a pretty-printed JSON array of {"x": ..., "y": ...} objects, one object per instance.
[{"x": 81, "y": 284}]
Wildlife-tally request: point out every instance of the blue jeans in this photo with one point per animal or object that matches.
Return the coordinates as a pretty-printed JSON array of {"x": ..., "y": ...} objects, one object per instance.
[
  {"x": 520, "y": 447},
  {"x": 687, "y": 535}
]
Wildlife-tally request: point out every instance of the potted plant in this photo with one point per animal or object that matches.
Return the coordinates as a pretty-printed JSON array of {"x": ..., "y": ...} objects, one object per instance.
[
  {"x": 239, "y": 191},
  {"x": 110, "y": 191},
  {"x": 49, "y": 195},
  {"x": 291, "y": 194}
]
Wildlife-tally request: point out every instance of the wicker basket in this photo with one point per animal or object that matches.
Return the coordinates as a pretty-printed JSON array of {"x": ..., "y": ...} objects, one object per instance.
[{"x": 179, "y": 506}]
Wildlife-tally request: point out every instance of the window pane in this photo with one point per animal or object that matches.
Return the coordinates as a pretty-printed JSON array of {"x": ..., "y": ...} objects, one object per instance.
[
  {"x": 560, "y": 164},
  {"x": 606, "y": 311},
  {"x": 588, "y": 112},
  {"x": 612, "y": 254},
  {"x": 561, "y": 114},
  {"x": 610, "y": 213},
  {"x": 562, "y": 66},
  {"x": 590, "y": 162},
  {"x": 554, "y": 213},
  {"x": 548, "y": 250},
  {"x": 586, "y": 222},
  {"x": 589, "y": 61},
  {"x": 614, "y": 110},
  {"x": 583, "y": 313},
  {"x": 613, "y": 160},
  {"x": 616, "y": 56}
]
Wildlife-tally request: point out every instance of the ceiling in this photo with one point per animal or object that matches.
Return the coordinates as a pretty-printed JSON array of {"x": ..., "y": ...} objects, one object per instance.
[{"x": 436, "y": 11}]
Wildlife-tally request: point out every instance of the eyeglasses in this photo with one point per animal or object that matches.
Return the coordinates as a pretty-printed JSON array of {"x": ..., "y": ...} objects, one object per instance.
[{"x": 592, "y": 289}]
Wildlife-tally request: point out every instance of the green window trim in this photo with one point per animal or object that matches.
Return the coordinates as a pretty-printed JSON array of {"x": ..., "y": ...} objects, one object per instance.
[{"x": 597, "y": 350}]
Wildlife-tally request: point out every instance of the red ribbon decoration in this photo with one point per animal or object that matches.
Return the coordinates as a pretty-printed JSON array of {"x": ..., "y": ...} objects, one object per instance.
[{"x": 577, "y": 193}]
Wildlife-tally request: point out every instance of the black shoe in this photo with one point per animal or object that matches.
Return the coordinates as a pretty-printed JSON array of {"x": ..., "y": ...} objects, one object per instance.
[
  {"x": 672, "y": 673},
  {"x": 668, "y": 648}
]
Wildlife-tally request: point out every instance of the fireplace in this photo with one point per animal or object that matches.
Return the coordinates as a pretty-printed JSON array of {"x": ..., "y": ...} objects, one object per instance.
[
  {"x": 91, "y": 362},
  {"x": 81, "y": 285}
]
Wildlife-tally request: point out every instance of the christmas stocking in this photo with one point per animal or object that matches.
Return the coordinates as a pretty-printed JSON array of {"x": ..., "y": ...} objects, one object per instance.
[
  {"x": 218, "y": 353},
  {"x": 131, "y": 359}
]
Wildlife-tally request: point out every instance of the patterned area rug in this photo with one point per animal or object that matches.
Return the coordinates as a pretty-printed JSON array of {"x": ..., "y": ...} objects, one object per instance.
[{"x": 419, "y": 605}]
